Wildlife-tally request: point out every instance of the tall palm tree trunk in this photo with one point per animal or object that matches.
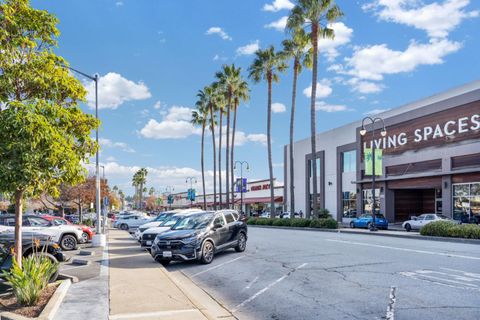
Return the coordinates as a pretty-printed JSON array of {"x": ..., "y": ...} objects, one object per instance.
[
  {"x": 18, "y": 226},
  {"x": 214, "y": 160},
  {"x": 269, "y": 145},
  {"x": 292, "y": 126},
  {"x": 203, "y": 167},
  {"x": 220, "y": 159},
  {"x": 232, "y": 161},
  {"x": 313, "y": 120},
  {"x": 227, "y": 157}
]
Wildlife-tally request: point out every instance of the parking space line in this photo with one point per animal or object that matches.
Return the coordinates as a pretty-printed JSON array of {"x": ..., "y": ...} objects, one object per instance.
[
  {"x": 405, "y": 249},
  {"x": 217, "y": 266},
  {"x": 266, "y": 288},
  {"x": 465, "y": 273},
  {"x": 391, "y": 304},
  {"x": 151, "y": 314},
  {"x": 251, "y": 283}
]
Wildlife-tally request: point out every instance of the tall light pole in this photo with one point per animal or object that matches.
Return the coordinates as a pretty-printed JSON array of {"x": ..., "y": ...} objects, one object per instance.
[
  {"x": 94, "y": 78},
  {"x": 191, "y": 179},
  {"x": 241, "y": 163},
  {"x": 363, "y": 131}
]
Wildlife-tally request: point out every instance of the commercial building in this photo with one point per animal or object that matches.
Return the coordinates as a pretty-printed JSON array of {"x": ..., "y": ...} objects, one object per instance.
[{"x": 430, "y": 163}]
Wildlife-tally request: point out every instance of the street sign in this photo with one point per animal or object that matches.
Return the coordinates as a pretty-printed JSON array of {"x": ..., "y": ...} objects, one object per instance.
[
  {"x": 241, "y": 185},
  {"x": 170, "y": 199},
  {"x": 191, "y": 194},
  {"x": 106, "y": 201}
]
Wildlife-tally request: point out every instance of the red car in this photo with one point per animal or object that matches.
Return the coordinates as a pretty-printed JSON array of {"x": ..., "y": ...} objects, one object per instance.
[{"x": 87, "y": 232}]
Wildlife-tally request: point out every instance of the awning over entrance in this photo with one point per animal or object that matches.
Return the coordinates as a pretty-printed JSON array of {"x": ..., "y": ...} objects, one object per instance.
[{"x": 260, "y": 200}]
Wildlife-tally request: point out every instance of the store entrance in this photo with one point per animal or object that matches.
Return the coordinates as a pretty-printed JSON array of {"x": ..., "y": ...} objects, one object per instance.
[{"x": 414, "y": 202}]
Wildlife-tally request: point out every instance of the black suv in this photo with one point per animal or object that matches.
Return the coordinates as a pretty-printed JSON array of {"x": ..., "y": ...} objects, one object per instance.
[
  {"x": 31, "y": 243},
  {"x": 199, "y": 236}
]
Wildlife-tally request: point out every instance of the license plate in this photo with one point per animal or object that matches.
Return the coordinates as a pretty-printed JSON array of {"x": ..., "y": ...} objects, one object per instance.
[
  {"x": 167, "y": 254},
  {"x": 149, "y": 243}
]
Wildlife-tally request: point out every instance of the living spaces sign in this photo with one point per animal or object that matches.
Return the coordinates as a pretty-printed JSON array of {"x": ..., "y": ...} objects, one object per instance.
[{"x": 448, "y": 126}]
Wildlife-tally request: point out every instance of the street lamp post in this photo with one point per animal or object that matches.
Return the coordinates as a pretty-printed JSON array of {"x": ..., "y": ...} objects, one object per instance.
[
  {"x": 363, "y": 131},
  {"x": 241, "y": 163},
  {"x": 191, "y": 179}
]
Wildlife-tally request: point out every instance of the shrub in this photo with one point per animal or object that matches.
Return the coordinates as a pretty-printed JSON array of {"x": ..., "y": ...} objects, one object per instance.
[
  {"x": 327, "y": 223},
  {"x": 264, "y": 221},
  {"x": 29, "y": 281},
  {"x": 88, "y": 222},
  {"x": 300, "y": 222},
  {"x": 323, "y": 214},
  {"x": 252, "y": 220},
  {"x": 281, "y": 222},
  {"x": 450, "y": 229}
]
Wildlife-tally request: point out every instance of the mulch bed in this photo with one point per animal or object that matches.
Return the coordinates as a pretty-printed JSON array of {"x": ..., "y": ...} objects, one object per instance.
[{"x": 8, "y": 303}]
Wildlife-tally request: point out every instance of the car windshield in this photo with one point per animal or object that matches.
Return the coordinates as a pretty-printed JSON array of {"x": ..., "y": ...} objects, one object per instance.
[
  {"x": 38, "y": 222},
  {"x": 170, "y": 221},
  {"x": 196, "y": 221},
  {"x": 161, "y": 217},
  {"x": 441, "y": 216}
]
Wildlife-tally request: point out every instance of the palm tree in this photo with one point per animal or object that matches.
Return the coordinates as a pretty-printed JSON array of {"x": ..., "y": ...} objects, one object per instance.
[
  {"x": 122, "y": 198},
  {"x": 140, "y": 178},
  {"x": 267, "y": 66},
  {"x": 199, "y": 118},
  {"x": 151, "y": 191},
  {"x": 317, "y": 14},
  {"x": 228, "y": 80},
  {"x": 296, "y": 48},
  {"x": 135, "y": 183},
  {"x": 218, "y": 100},
  {"x": 242, "y": 93}
]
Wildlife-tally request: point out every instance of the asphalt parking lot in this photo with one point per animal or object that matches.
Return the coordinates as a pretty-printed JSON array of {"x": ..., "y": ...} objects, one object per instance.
[
  {"x": 289, "y": 274},
  {"x": 81, "y": 271}
]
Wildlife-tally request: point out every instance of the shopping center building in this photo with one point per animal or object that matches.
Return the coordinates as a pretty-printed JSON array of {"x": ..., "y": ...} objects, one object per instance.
[{"x": 430, "y": 161}]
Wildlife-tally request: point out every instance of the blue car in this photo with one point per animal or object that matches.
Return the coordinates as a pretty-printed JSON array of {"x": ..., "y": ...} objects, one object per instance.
[{"x": 365, "y": 220}]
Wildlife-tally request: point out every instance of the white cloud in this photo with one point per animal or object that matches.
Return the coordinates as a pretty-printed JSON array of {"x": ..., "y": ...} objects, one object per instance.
[
  {"x": 365, "y": 87},
  {"x": 219, "y": 31},
  {"x": 323, "y": 106},
  {"x": 343, "y": 35},
  {"x": 158, "y": 105},
  {"x": 278, "y": 25},
  {"x": 175, "y": 125},
  {"x": 218, "y": 57},
  {"x": 241, "y": 138},
  {"x": 437, "y": 19},
  {"x": 258, "y": 138},
  {"x": 110, "y": 158},
  {"x": 119, "y": 3},
  {"x": 107, "y": 143},
  {"x": 373, "y": 62},
  {"x": 248, "y": 49},
  {"x": 324, "y": 89},
  {"x": 114, "y": 90},
  {"x": 278, "y": 107},
  {"x": 278, "y": 5},
  {"x": 375, "y": 112}
]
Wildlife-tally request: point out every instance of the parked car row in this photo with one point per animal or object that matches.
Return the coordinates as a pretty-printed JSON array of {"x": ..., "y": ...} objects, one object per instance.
[
  {"x": 415, "y": 223},
  {"x": 191, "y": 234},
  {"x": 60, "y": 231}
]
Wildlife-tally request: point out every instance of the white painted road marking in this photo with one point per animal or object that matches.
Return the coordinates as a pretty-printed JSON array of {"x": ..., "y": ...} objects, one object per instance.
[
  {"x": 266, "y": 288},
  {"x": 405, "y": 249},
  {"x": 465, "y": 273},
  {"x": 252, "y": 282},
  {"x": 217, "y": 266},
  {"x": 158, "y": 314},
  {"x": 391, "y": 304},
  {"x": 452, "y": 280}
]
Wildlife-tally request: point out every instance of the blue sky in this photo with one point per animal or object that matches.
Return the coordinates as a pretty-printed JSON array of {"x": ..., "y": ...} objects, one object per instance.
[{"x": 153, "y": 57}]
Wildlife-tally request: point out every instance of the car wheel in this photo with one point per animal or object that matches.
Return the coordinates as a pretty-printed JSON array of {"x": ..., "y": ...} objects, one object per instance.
[
  {"x": 242, "y": 242},
  {"x": 207, "y": 252},
  {"x": 369, "y": 225},
  {"x": 68, "y": 242},
  {"x": 408, "y": 227},
  {"x": 352, "y": 225},
  {"x": 85, "y": 237},
  {"x": 124, "y": 226},
  {"x": 53, "y": 260}
]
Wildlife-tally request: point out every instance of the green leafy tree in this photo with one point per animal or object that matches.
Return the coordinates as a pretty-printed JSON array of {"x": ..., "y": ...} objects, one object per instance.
[
  {"x": 297, "y": 48},
  {"x": 315, "y": 15},
  {"x": 45, "y": 136},
  {"x": 200, "y": 118},
  {"x": 267, "y": 65}
]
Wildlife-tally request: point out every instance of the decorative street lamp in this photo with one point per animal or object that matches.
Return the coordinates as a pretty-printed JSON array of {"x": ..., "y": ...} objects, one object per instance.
[
  {"x": 191, "y": 179},
  {"x": 363, "y": 131},
  {"x": 241, "y": 163}
]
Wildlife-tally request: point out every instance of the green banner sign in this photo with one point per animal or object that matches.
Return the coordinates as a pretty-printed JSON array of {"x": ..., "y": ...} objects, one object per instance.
[{"x": 369, "y": 162}]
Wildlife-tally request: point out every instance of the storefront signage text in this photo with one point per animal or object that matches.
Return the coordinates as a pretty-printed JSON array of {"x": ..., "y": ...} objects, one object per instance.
[{"x": 260, "y": 187}]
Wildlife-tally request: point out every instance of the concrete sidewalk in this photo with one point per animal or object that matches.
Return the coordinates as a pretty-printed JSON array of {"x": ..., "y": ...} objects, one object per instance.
[{"x": 140, "y": 288}]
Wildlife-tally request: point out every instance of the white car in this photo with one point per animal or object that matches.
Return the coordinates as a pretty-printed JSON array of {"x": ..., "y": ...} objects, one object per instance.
[
  {"x": 67, "y": 236},
  {"x": 417, "y": 223},
  {"x": 132, "y": 222},
  {"x": 149, "y": 234}
]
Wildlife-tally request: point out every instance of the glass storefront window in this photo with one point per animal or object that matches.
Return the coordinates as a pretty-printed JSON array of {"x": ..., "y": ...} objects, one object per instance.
[
  {"x": 349, "y": 203},
  {"x": 466, "y": 201},
  {"x": 368, "y": 200},
  {"x": 349, "y": 161}
]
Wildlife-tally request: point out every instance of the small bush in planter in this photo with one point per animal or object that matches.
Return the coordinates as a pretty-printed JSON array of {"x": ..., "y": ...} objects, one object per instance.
[
  {"x": 324, "y": 214},
  {"x": 264, "y": 221},
  {"x": 29, "y": 281},
  {"x": 328, "y": 223},
  {"x": 300, "y": 222},
  {"x": 252, "y": 220},
  {"x": 437, "y": 229},
  {"x": 281, "y": 222},
  {"x": 467, "y": 231}
]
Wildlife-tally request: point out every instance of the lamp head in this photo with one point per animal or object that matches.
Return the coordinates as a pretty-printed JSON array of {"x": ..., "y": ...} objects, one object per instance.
[
  {"x": 383, "y": 132},
  {"x": 363, "y": 131}
]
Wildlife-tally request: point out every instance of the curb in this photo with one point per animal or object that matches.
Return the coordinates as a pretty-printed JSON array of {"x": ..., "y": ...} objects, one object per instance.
[
  {"x": 50, "y": 309},
  {"x": 393, "y": 235},
  {"x": 205, "y": 303}
]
